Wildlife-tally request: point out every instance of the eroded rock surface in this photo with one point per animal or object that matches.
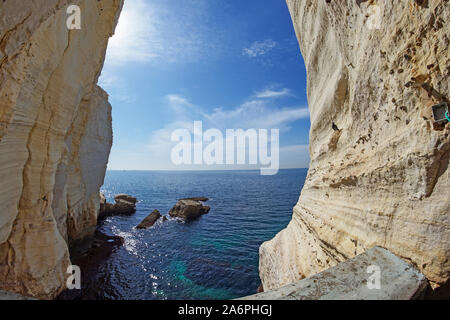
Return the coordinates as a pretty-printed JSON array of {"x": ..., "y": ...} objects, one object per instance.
[
  {"x": 124, "y": 204},
  {"x": 55, "y": 137},
  {"x": 150, "y": 220},
  {"x": 188, "y": 209},
  {"x": 354, "y": 280},
  {"x": 379, "y": 176},
  {"x": 126, "y": 197}
]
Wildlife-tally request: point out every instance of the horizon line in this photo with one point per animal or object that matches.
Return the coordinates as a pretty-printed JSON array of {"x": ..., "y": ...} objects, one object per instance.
[{"x": 183, "y": 170}]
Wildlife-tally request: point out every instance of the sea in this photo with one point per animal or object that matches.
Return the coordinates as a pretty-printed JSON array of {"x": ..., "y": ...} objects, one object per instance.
[{"x": 213, "y": 257}]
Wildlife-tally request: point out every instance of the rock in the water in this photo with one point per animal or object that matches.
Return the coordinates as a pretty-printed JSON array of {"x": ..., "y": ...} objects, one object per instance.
[
  {"x": 125, "y": 197},
  {"x": 124, "y": 207},
  {"x": 202, "y": 199},
  {"x": 188, "y": 209},
  {"x": 150, "y": 220},
  {"x": 121, "y": 206}
]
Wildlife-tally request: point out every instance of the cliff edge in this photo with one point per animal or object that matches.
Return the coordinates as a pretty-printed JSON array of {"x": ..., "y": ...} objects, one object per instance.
[
  {"x": 379, "y": 163},
  {"x": 55, "y": 137}
]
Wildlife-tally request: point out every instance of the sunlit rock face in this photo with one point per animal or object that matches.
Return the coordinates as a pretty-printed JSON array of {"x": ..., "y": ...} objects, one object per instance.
[
  {"x": 380, "y": 175},
  {"x": 55, "y": 137}
]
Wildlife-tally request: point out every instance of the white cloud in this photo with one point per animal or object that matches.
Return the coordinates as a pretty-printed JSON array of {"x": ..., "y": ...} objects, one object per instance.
[
  {"x": 115, "y": 88},
  {"x": 135, "y": 35},
  {"x": 178, "y": 104},
  {"x": 273, "y": 93},
  {"x": 259, "y": 48},
  {"x": 153, "y": 32},
  {"x": 107, "y": 80},
  {"x": 182, "y": 108},
  {"x": 256, "y": 113},
  {"x": 253, "y": 113}
]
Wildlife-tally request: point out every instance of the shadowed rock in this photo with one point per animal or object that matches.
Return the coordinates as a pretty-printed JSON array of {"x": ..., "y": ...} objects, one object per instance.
[
  {"x": 150, "y": 220},
  {"x": 89, "y": 254},
  {"x": 202, "y": 199},
  {"x": 125, "y": 197},
  {"x": 376, "y": 274},
  {"x": 5, "y": 295},
  {"x": 189, "y": 209},
  {"x": 125, "y": 204}
]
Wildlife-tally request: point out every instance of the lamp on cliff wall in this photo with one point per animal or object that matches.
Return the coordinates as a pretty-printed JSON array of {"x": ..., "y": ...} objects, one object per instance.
[{"x": 440, "y": 113}]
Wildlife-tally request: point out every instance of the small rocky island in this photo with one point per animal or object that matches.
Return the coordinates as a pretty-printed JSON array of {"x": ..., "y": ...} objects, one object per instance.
[
  {"x": 124, "y": 204},
  {"x": 150, "y": 220},
  {"x": 189, "y": 208}
]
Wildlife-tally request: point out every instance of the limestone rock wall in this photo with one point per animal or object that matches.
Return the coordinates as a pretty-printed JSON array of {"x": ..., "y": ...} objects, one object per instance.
[
  {"x": 55, "y": 136},
  {"x": 382, "y": 178}
]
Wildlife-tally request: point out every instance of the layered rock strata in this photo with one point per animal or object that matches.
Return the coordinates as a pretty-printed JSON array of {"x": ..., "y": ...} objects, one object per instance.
[
  {"x": 379, "y": 163},
  {"x": 55, "y": 136}
]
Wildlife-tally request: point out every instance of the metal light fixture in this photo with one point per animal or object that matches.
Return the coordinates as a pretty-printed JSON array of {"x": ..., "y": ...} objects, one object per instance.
[{"x": 440, "y": 113}]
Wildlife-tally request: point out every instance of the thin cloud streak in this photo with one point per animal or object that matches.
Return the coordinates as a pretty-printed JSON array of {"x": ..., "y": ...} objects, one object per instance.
[
  {"x": 273, "y": 94},
  {"x": 253, "y": 113},
  {"x": 259, "y": 48}
]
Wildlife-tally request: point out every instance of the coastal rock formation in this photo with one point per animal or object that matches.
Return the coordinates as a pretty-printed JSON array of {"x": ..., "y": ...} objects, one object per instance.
[
  {"x": 349, "y": 281},
  {"x": 202, "y": 199},
  {"x": 55, "y": 137},
  {"x": 124, "y": 204},
  {"x": 189, "y": 209},
  {"x": 150, "y": 220},
  {"x": 126, "y": 197},
  {"x": 382, "y": 177},
  {"x": 89, "y": 255}
]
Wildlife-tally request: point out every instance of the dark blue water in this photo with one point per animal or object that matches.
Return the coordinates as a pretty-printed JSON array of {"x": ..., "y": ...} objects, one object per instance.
[{"x": 214, "y": 257}]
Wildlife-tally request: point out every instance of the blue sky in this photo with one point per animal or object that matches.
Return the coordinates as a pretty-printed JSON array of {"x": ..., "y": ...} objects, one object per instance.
[{"x": 229, "y": 63}]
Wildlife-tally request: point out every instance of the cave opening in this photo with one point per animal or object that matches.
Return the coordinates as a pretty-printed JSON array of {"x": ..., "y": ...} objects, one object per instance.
[{"x": 208, "y": 66}]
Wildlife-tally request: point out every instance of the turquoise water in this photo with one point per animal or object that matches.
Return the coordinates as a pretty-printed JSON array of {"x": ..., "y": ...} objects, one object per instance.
[{"x": 214, "y": 257}]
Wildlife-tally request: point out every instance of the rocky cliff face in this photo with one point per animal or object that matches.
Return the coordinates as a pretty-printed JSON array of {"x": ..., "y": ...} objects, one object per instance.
[
  {"x": 379, "y": 176},
  {"x": 55, "y": 136}
]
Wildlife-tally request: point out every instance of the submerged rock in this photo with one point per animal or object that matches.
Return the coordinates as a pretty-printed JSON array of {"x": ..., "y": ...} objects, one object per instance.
[
  {"x": 189, "y": 209},
  {"x": 150, "y": 220}
]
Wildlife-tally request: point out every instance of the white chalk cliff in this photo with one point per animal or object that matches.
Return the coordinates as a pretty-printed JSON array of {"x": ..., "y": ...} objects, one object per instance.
[
  {"x": 55, "y": 136},
  {"x": 380, "y": 177}
]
